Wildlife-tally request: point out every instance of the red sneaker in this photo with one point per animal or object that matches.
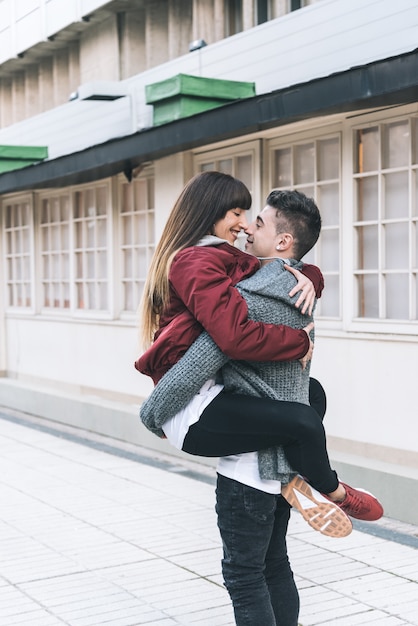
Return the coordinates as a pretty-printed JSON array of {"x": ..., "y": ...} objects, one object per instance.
[{"x": 360, "y": 504}]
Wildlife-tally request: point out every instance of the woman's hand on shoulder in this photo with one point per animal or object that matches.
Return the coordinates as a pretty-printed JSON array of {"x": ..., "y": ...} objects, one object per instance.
[{"x": 305, "y": 286}]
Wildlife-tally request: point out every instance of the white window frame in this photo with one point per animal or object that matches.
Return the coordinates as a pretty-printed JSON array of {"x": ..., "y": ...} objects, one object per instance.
[
  {"x": 248, "y": 148},
  {"x": 147, "y": 175},
  {"x": 87, "y": 313},
  {"x": 39, "y": 199},
  {"x": 10, "y": 308},
  {"x": 352, "y": 323},
  {"x": 299, "y": 138}
]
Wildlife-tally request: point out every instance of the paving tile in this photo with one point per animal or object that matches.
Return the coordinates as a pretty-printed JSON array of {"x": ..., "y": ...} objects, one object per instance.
[{"x": 87, "y": 538}]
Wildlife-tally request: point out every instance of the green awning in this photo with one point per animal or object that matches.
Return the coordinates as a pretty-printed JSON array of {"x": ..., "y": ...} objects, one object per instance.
[{"x": 15, "y": 157}]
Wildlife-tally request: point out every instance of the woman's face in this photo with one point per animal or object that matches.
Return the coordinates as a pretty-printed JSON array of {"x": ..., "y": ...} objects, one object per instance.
[{"x": 231, "y": 225}]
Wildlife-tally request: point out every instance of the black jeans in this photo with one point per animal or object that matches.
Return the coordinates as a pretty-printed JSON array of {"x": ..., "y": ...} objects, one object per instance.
[
  {"x": 232, "y": 424},
  {"x": 255, "y": 567}
]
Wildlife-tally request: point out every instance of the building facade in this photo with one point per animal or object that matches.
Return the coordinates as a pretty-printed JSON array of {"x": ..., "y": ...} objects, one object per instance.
[{"x": 335, "y": 115}]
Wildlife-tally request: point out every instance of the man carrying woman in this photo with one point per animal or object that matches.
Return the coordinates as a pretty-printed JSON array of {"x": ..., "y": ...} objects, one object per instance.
[{"x": 263, "y": 403}]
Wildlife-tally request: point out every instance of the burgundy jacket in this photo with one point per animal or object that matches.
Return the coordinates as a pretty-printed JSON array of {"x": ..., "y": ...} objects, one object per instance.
[{"x": 203, "y": 296}]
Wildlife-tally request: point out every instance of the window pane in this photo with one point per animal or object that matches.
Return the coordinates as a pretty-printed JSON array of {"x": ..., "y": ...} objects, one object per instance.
[
  {"x": 47, "y": 297},
  {"x": 140, "y": 192},
  {"x": 103, "y": 305},
  {"x": 262, "y": 11},
  {"x": 91, "y": 295},
  {"x": 101, "y": 233},
  {"x": 137, "y": 233},
  {"x": 330, "y": 251},
  {"x": 55, "y": 210},
  {"x": 415, "y": 140},
  {"x": 151, "y": 227},
  {"x": 308, "y": 190},
  {"x": 101, "y": 262},
  {"x": 89, "y": 265},
  {"x": 415, "y": 196},
  {"x": 44, "y": 212},
  {"x": 282, "y": 176},
  {"x": 55, "y": 238},
  {"x": 397, "y": 296},
  {"x": 126, "y": 204},
  {"x": 79, "y": 235},
  {"x": 65, "y": 237},
  {"x": 89, "y": 203},
  {"x": 367, "y": 199},
  {"x": 415, "y": 230},
  {"x": 329, "y": 303},
  {"x": 367, "y": 243},
  {"x": 368, "y": 295},
  {"x": 328, "y": 159},
  {"x": 396, "y": 138},
  {"x": 244, "y": 170},
  {"x": 329, "y": 204},
  {"x": 127, "y": 230},
  {"x": 65, "y": 208},
  {"x": 141, "y": 229},
  {"x": 90, "y": 234},
  {"x": 78, "y": 204},
  {"x": 81, "y": 304},
  {"x": 396, "y": 195},
  {"x": 225, "y": 166},
  {"x": 127, "y": 263},
  {"x": 79, "y": 265},
  {"x": 65, "y": 266},
  {"x": 101, "y": 201},
  {"x": 207, "y": 167},
  {"x": 305, "y": 163},
  {"x": 396, "y": 246},
  {"x": 367, "y": 149}
]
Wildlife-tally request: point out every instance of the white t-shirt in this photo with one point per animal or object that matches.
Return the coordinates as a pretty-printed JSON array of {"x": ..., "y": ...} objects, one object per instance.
[{"x": 240, "y": 467}]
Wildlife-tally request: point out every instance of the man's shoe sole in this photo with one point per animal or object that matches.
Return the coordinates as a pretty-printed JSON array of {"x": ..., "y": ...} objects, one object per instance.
[{"x": 325, "y": 517}]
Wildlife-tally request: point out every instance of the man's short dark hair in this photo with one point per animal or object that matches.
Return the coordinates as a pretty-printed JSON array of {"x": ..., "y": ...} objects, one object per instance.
[{"x": 296, "y": 214}]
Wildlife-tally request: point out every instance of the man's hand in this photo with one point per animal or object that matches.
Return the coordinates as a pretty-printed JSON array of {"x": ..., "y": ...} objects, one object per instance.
[
  {"x": 308, "y": 356},
  {"x": 307, "y": 289}
]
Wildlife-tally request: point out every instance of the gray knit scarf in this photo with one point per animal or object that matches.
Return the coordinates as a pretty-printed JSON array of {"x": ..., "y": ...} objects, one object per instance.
[{"x": 266, "y": 294}]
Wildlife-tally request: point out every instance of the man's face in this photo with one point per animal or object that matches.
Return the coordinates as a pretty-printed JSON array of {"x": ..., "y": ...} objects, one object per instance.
[{"x": 262, "y": 238}]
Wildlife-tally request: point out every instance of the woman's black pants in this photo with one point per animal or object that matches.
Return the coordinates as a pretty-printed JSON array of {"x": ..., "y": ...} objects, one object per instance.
[{"x": 232, "y": 424}]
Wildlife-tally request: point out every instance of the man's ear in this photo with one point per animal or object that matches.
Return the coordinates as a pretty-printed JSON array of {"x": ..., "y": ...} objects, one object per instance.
[{"x": 284, "y": 242}]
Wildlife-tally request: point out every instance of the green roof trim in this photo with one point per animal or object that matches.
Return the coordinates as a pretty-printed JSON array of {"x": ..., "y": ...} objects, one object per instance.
[
  {"x": 184, "y": 95},
  {"x": 16, "y": 157},
  {"x": 187, "y": 85}
]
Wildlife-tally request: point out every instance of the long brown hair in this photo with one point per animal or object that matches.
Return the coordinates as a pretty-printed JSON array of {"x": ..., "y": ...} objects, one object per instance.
[{"x": 205, "y": 199}]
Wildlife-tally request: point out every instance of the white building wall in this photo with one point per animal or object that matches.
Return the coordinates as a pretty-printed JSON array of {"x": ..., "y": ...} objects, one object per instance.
[
  {"x": 325, "y": 37},
  {"x": 24, "y": 23},
  {"x": 76, "y": 356},
  {"x": 371, "y": 389}
]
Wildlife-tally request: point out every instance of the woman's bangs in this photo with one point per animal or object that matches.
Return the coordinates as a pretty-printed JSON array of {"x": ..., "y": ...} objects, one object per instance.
[{"x": 240, "y": 197}]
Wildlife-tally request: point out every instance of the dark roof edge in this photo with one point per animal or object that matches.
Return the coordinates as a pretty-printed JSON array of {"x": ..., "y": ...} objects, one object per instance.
[{"x": 387, "y": 82}]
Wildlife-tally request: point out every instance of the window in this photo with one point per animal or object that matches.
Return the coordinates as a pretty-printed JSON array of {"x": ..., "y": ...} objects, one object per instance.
[
  {"x": 137, "y": 230},
  {"x": 294, "y": 5},
  {"x": 18, "y": 247},
  {"x": 313, "y": 167},
  {"x": 241, "y": 161},
  {"x": 55, "y": 225},
  {"x": 386, "y": 220},
  {"x": 263, "y": 11},
  {"x": 90, "y": 241},
  {"x": 233, "y": 17}
]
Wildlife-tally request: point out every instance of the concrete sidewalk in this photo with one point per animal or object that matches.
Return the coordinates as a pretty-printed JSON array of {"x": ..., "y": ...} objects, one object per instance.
[{"x": 95, "y": 532}]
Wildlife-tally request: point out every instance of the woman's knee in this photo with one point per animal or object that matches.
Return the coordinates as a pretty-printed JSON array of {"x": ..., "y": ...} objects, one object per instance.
[{"x": 308, "y": 422}]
